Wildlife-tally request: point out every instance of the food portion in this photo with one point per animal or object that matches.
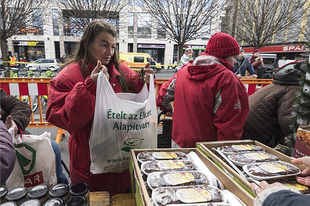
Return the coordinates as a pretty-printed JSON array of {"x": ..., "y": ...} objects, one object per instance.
[
  {"x": 241, "y": 159},
  {"x": 230, "y": 149},
  {"x": 167, "y": 165},
  {"x": 164, "y": 179},
  {"x": 268, "y": 170},
  {"x": 297, "y": 186},
  {"x": 186, "y": 195},
  {"x": 153, "y": 156}
]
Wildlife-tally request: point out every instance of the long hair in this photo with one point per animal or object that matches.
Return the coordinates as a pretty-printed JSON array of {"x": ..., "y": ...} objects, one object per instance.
[{"x": 81, "y": 53}]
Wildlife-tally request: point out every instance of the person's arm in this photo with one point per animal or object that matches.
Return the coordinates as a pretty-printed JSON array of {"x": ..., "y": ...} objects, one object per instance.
[
  {"x": 163, "y": 92},
  {"x": 19, "y": 110},
  {"x": 169, "y": 97},
  {"x": 230, "y": 109},
  {"x": 7, "y": 153},
  {"x": 250, "y": 68},
  {"x": 71, "y": 101}
]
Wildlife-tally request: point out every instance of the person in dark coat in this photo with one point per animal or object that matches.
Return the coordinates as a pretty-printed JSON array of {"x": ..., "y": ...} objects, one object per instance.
[
  {"x": 20, "y": 111},
  {"x": 271, "y": 107},
  {"x": 242, "y": 65},
  {"x": 7, "y": 153}
]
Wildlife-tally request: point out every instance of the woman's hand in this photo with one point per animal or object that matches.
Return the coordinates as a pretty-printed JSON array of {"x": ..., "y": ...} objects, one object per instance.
[
  {"x": 95, "y": 73},
  {"x": 306, "y": 162},
  {"x": 11, "y": 124},
  {"x": 262, "y": 186},
  {"x": 147, "y": 71}
]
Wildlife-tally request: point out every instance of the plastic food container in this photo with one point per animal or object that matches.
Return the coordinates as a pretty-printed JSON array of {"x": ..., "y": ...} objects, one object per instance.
[
  {"x": 230, "y": 149},
  {"x": 153, "y": 156},
  {"x": 271, "y": 170},
  {"x": 39, "y": 192},
  {"x": 77, "y": 201},
  {"x": 241, "y": 159},
  {"x": 17, "y": 195},
  {"x": 54, "y": 202},
  {"x": 60, "y": 191},
  {"x": 31, "y": 202},
  {"x": 3, "y": 192},
  {"x": 194, "y": 195},
  {"x": 167, "y": 165},
  {"x": 9, "y": 204},
  {"x": 80, "y": 189},
  {"x": 164, "y": 179}
]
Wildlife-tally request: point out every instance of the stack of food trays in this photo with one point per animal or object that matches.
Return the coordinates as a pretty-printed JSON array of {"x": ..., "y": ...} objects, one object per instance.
[
  {"x": 175, "y": 178},
  {"x": 255, "y": 164}
]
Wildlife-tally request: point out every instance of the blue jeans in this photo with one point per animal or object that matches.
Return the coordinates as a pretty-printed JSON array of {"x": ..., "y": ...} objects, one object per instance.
[{"x": 61, "y": 177}]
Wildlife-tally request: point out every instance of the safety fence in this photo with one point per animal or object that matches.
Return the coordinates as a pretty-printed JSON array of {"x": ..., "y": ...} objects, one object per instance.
[{"x": 35, "y": 90}]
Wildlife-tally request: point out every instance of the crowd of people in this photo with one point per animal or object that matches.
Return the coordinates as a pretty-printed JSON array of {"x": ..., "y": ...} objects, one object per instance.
[{"x": 209, "y": 98}]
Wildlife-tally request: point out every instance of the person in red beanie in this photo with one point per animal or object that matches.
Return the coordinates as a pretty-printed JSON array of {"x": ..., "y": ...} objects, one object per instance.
[
  {"x": 211, "y": 103},
  {"x": 256, "y": 61}
]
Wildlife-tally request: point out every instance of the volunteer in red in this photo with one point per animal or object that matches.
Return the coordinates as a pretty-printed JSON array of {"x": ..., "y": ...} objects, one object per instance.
[
  {"x": 71, "y": 100},
  {"x": 211, "y": 102}
]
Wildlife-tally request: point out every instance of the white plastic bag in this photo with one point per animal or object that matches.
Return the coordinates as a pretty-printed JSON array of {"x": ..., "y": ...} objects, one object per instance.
[
  {"x": 35, "y": 162},
  {"x": 122, "y": 121}
]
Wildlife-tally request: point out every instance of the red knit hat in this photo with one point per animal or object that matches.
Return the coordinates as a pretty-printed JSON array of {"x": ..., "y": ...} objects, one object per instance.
[{"x": 222, "y": 45}]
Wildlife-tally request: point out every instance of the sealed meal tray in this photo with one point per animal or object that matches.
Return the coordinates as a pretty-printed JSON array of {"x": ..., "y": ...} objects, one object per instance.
[
  {"x": 297, "y": 186},
  {"x": 166, "y": 165},
  {"x": 196, "y": 195},
  {"x": 152, "y": 156},
  {"x": 270, "y": 170},
  {"x": 164, "y": 179},
  {"x": 230, "y": 149},
  {"x": 241, "y": 159}
]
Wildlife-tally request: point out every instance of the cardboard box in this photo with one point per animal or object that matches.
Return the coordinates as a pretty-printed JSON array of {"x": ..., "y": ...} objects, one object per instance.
[
  {"x": 140, "y": 191},
  {"x": 302, "y": 145},
  {"x": 206, "y": 148}
]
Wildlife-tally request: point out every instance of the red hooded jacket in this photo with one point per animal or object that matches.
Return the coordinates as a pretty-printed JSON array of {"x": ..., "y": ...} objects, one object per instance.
[
  {"x": 71, "y": 105},
  {"x": 211, "y": 103}
]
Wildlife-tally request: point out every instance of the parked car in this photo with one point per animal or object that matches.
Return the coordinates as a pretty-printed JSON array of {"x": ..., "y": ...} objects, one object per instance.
[
  {"x": 290, "y": 65},
  {"x": 44, "y": 65},
  {"x": 141, "y": 58}
]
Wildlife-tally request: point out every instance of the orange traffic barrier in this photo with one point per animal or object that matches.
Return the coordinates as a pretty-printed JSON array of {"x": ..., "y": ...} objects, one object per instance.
[{"x": 30, "y": 90}]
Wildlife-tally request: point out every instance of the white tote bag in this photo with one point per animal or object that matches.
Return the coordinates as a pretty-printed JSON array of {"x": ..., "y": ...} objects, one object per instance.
[
  {"x": 35, "y": 162},
  {"x": 122, "y": 121}
]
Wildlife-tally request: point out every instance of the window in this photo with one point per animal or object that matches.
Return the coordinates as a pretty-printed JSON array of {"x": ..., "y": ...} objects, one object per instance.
[
  {"x": 138, "y": 59},
  {"x": 161, "y": 31},
  {"x": 130, "y": 25},
  {"x": 55, "y": 22},
  {"x": 144, "y": 26},
  {"x": 37, "y": 18}
]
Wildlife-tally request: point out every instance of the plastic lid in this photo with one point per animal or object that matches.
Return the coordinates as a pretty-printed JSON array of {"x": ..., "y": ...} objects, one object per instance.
[
  {"x": 32, "y": 202},
  {"x": 59, "y": 190},
  {"x": 16, "y": 193},
  {"x": 3, "y": 191},
  {"x": 79, "y": 188},
  {"x": 77, "y": 201},
  {"x": 54, "y": 202},
  {"x": 8, "y": 204},
  {"x": 38, "y": 191}
]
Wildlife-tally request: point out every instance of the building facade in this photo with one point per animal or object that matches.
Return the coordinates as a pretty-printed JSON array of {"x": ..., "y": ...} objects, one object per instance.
[
  {"x": 52, "y": 38},
  {"x": 289, "y": 44}
]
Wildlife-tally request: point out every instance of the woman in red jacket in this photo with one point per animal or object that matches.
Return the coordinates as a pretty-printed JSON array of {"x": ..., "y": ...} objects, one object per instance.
[{"x": 71, "y": 101}]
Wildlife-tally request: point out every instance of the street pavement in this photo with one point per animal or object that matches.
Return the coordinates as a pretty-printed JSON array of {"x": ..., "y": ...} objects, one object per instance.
[{"x": 163, "y": 74}]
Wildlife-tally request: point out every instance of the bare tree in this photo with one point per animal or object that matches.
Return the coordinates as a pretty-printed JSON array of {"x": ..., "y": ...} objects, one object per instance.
[
  {"x": 19, "y": 16},
  {"x": 258, "y": 22},
  {"x": 78, "y": 13},
  {"x": 183, "y": 20}
]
